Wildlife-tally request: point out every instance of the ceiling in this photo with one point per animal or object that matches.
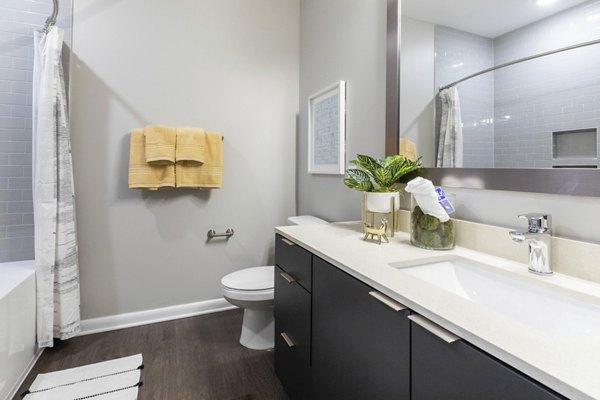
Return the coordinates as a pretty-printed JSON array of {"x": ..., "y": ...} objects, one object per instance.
[{"x": 489, "y": 18}]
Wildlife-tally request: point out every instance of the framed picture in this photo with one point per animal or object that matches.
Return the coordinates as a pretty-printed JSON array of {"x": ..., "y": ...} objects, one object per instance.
[{"x": 327, "y": 130}]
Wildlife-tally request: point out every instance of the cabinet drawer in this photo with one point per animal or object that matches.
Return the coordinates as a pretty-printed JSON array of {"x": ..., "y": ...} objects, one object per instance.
[
  {"x": 292, "y": 336},
  {"x": 294, "y": 260},
  {"x": 459, "y": 370}
]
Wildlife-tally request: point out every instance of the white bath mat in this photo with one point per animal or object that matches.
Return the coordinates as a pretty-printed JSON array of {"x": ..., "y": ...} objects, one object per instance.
[{"x": 117, "y": 379}]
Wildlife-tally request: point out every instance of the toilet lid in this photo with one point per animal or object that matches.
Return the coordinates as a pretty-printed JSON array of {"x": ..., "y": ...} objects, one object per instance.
[{"x": 256, "y": 278}]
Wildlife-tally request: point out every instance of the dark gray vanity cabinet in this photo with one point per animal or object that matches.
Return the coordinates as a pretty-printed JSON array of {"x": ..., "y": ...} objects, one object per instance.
[
  {"x": 458, "y": 370},
  {"x": 361, "y": 346},
  {"x": 337, "y": 338},
  {"x": 293, "y": 318}
]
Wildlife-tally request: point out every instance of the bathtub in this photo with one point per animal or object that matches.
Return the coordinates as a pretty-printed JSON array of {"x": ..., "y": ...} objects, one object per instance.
[{"x": 18, "y": 349}]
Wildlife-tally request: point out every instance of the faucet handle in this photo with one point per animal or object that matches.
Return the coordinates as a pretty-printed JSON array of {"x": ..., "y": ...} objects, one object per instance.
[{"x": 538, "y": 222}]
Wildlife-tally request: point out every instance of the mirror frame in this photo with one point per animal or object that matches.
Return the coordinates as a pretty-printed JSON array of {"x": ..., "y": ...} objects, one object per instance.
[
  {"x": 564, "y": 181},
  {"x": 392, "y": 72}
]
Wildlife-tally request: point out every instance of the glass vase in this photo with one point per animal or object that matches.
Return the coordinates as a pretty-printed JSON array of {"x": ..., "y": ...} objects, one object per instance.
[{"x": 428, "y": 232}]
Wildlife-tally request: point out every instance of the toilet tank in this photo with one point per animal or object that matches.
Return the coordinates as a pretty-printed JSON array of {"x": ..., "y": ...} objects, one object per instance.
[{"x": 305, "y": 220}]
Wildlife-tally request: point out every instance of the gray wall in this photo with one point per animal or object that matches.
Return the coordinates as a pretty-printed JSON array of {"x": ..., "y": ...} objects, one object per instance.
[
  {"x": 459, "y": 54},
  {"x": 569, "y": 213},
  {"x": 342, "y": 40},
  {"x": 229, "y": 66},
  {"x": 485, "y": 206},
  {"x": 18, "y": 20}
]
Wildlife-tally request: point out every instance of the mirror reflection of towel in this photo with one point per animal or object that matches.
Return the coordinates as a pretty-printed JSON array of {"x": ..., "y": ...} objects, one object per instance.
[{"x": 408, "y": 149}]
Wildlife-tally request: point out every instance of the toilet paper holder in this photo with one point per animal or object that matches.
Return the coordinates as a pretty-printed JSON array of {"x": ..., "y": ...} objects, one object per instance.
[{"x": 213, "y": 234}]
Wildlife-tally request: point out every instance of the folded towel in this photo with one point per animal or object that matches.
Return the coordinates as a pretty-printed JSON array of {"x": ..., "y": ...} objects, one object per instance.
[
  {"x": 190, "y": 145},
  {"x": 203, "y": 176},
  {"x": 143, "y": 175},
  {"x": 160, "y": 144},
  {"x": 427, "y": 198}
]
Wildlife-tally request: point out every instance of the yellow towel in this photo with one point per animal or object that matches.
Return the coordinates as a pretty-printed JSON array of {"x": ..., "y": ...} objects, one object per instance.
[
  {"x": 190, "y": 145},
  {"x": 160, "y": 144},
  {"x": 143, "y": 175},
  {"x": 203, "y": 176},
  {"x": 408, "y": 149}
]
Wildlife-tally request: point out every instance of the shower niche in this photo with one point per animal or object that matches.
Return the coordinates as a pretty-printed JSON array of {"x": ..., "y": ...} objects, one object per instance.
[{"x": 575, "y": 148}]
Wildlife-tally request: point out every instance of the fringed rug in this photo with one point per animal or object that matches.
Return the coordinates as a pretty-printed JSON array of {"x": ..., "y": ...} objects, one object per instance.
[{"x": 117, "y": 379}]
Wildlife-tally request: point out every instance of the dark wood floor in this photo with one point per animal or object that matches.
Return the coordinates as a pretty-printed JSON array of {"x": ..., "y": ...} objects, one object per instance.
[{"x": 194, "y": 358}]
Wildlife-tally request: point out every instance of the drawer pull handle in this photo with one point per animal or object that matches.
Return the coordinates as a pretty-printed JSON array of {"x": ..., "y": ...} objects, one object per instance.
[
  {"x": 288, "y": 242},
  {"x": 288, "y": 339},
  {"x": 287, "y": 277},
  {"x": 434, "y": 328},
  {"x": 393, "y": 304}
]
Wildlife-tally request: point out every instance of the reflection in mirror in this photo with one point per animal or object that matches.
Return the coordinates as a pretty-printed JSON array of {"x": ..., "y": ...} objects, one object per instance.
[{"x": 540, "y": 113}]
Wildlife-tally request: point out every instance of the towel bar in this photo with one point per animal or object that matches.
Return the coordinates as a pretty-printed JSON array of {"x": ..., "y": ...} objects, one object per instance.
[
  {"x": 213, "y": 234},
  {"x": 222, "y": 137}
]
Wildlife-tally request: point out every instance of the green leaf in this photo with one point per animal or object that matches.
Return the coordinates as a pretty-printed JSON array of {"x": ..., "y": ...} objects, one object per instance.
[
  {"x": 358, "y": 180},
  {"x": 383, "y": 177},
  {"x": 393, "y": 160},
  {"x": 404, "y": 166},
  {"x": 366, "y": 163}
]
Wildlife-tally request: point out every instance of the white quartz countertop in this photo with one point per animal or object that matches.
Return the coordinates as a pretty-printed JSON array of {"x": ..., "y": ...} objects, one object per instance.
[{"x": 568, "y": 365}]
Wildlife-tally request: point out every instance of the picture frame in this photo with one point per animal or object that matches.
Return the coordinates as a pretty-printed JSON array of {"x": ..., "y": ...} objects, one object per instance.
[{"x": 327, "y": 130}]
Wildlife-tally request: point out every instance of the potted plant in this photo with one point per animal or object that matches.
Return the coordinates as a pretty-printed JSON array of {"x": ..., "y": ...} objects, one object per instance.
[{"x": 378, "y": 178}]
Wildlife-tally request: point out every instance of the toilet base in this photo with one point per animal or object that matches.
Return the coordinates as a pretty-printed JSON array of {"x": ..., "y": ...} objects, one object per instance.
[{"x": 258, "y": 328}]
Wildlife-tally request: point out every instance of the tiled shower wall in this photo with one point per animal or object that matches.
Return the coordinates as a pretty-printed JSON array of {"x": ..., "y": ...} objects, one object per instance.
[
  {"x": 458, "y": 54},
  {"x": 554, "y": 93},
  {"x": 18, "y": 20}
]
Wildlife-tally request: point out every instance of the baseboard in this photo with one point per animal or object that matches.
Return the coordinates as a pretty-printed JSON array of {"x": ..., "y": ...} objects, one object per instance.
[
  {"x": 13, "y": 392},
  {"x": 120, "y": 321}
]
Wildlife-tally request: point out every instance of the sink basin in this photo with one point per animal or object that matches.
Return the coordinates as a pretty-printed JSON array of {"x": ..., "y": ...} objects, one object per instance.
[{"x": 554, "y": 311}]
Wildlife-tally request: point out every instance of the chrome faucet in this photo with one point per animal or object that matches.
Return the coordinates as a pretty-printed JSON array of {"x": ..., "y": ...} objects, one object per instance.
[{"x": 539, "y": 238}]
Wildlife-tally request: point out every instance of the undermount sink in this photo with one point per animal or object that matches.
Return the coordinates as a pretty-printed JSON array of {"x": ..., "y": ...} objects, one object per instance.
[{"x": 529, "y": 301}]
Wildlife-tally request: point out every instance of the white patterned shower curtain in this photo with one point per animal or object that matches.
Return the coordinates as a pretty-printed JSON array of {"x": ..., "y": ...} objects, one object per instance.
[
  {"x": 57, "y": 270},
  {"x": 450, "y": 141}
]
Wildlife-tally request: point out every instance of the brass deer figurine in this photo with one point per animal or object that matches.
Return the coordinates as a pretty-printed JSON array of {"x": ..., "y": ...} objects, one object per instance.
[{"x": 379, "y": 232}]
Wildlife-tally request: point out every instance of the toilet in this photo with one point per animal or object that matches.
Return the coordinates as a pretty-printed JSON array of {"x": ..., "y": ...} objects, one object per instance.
[{"x": 253, "y": 290}]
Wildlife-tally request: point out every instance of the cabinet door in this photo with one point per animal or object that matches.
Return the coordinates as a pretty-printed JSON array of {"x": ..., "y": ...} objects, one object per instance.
[
  {"x": 460, "y": 371},
  {"x": 292, "y": 336},
  {"x": 294, "y": 260},
  {"x": 360, "y": 345}
]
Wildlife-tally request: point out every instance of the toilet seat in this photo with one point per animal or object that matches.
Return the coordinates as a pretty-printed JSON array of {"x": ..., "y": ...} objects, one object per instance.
[
  {"x": 250, "y": 284},
  {"x": 251, "y": 279},
  {"x": 249, "y": 295}
]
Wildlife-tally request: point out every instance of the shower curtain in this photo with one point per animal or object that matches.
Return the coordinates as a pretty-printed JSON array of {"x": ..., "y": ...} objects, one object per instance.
[
  {"x": 57, "y": 270},
  {"x": 450, "y": 143}
]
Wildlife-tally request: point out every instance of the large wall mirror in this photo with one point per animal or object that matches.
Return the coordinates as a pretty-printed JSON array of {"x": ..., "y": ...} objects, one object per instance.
[{"x": 491, "y": 97}]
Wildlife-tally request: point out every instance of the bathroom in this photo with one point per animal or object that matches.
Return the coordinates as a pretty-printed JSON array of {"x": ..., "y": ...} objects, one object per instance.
[{"x": 151, "y": 280}]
